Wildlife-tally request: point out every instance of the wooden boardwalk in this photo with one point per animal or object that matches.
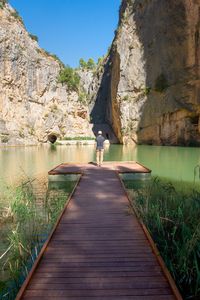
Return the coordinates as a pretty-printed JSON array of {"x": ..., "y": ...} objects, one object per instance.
[{"x": 98, "y": 251}]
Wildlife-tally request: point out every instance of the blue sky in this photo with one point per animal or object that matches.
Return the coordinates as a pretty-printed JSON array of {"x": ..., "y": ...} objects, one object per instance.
[{"x": 71, "y": 29}]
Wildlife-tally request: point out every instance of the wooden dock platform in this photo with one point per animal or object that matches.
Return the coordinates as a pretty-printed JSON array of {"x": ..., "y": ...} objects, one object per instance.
[{"x": 98, "y": 251}]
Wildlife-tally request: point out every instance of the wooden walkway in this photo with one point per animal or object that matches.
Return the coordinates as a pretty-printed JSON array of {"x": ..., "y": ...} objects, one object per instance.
[{"x": 98, "y": 251}]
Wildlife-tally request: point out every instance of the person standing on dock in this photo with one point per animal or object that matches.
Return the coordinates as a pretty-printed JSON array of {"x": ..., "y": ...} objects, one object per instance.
[{"x": 99, "y": 148}]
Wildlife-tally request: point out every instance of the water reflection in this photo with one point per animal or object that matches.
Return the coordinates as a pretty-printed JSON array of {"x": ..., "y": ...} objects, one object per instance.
[{"x": 171, "y": 162}]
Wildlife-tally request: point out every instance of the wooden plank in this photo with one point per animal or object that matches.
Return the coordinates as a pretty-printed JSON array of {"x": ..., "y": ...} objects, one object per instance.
[
  {"x": 116, "y": 268},
  {"x": 98, "y": 281},
  {"x": 149, "y": 284},
  {"x": 117, "y": 264},
  {"x": 70, "y": 252},
  {"x": 117, "y": 234},
  {"x": 96, "y": 274},
  {"x": 97, "y": 234},
  {"x": 111, "y": 244},
  {"x": 154, "y": 297},
  {"x": 96, "y": 259},
  {"x": 102, "y": 292},
  {"x": 91, "y": 256}
]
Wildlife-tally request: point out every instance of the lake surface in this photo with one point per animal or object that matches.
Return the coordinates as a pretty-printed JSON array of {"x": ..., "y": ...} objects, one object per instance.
[{"x": 169, "y": 162}]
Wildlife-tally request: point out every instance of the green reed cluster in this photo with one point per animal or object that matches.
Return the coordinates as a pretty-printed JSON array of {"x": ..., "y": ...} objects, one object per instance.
[
  {"x": 27, "y": 221},
  {"x": 171, "y": 213}
]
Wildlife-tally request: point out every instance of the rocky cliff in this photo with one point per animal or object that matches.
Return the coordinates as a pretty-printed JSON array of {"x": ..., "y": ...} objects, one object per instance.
[
  {"x": 33, "y": 105},
  {"x": 147, "y": 89},
  {"x": 152, "y": 76}
]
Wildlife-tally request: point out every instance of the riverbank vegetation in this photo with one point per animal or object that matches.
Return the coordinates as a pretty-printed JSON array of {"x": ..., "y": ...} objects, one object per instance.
[
  {"x": 79, "y": 138},
  {"x": 171, "y": 212},
  {"x": 25, "y": 223}
]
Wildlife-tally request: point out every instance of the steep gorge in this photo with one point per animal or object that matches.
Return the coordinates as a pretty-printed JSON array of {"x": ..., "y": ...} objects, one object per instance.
[
  {"x": 147, "y": 89},
  {"x": 153, "y": 80}
]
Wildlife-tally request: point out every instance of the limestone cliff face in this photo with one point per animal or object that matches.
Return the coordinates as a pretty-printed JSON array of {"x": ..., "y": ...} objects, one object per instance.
[
  {"x": 153, "y": 77},
  {"x": 147, "y": 89},
  {"x": 32, "y": 103}
]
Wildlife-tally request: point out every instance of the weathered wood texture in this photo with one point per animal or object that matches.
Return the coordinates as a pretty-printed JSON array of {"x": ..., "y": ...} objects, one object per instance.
[
  {"x": 98, "y": 251},
  {"x": 122, "y": 167}
]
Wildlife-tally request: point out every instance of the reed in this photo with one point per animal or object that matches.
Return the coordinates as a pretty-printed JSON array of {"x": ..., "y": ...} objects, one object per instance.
[
  {"x": 27, "y": 220},
  {"x": 171, "y": 212}
]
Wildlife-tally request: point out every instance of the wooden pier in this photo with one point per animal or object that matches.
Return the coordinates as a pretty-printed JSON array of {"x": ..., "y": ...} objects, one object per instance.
[{"x": 98, "y": 251}]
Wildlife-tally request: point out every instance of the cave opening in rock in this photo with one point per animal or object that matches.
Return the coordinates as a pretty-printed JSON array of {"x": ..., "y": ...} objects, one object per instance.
[
  {"x": 52, "y": 138},
  {"x": 194, "y": 120}
]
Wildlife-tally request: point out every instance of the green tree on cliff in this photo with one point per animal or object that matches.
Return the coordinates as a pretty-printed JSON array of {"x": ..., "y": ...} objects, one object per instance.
[
  {"x": 89, "y": 65},
  {"x": 70, "y": 77},
  {"x": 82, "y": 63}
]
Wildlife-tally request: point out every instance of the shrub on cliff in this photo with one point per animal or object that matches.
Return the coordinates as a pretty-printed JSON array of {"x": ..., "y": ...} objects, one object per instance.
[
  {"x": 70, "y": 77},
  {"x": 33, "y": 37},
  {"x": 42, "y": 51},
  {"x": 2, "y": 3},
  {"x": 16, "y": 15},
  {"x": 89, "y": 65},
  {"x": 82, "y": 63},
  {"x": 82, "y": 97}
]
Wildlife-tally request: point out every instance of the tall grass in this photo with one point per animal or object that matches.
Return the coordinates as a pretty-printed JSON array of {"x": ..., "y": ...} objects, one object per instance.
[
  {"x": 171, "y": 212},
  {"x": 27, "y": 221}
]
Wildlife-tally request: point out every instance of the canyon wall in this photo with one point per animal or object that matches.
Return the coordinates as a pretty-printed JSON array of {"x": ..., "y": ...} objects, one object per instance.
[
  {"x": 33, "y": 105},
  {"x": 153, "y": 74}
]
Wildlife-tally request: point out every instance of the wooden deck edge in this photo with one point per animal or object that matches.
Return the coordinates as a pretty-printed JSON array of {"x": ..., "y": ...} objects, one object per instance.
[
  {"x": 132, "y": 172},
  {"x": 54, "y": 168},
  {"x": 70, "y": 173},
  {"x": 30, "y": 274},
  {"x": 129, "y": 162},
  {"x": 162, "y": 264},
  {"x": 154, "y": 248},
  {"x": 68, "y": 164},
  {"x": 54, "y": 172},
  {"x": 117, "y": 161},
  {"x": 149, "y": 170}
]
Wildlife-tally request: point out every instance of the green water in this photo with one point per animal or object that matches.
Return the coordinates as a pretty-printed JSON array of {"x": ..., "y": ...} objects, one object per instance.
[{"x": 170, "y": 162}]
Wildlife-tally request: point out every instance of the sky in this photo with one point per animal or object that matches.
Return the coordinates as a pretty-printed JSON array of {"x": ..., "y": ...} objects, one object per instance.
[{"x": 71, "y": 29}]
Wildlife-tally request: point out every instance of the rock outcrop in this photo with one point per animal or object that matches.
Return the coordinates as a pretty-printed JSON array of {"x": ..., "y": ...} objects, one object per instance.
[
  {"x": 33, "y": 105},
  {"x": 152, "y": 75},
  {"x": 147, "y": 89}
]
